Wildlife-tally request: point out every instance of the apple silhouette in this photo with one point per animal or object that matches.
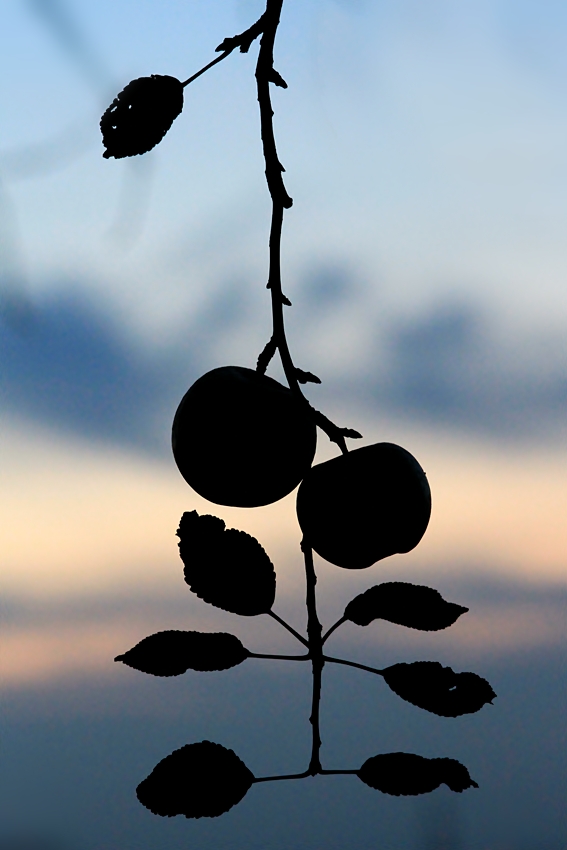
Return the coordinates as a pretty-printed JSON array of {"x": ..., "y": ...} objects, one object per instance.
[
  {"x": 240, "y": 438},
  {"x": 363, "y": 506}
]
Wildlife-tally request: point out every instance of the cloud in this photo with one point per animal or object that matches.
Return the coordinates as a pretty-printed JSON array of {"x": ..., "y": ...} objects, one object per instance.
[
  {"x": 65, "y": 363},
  {"x": 68, "y": 363},
  {"x": 449, "y": 367}
]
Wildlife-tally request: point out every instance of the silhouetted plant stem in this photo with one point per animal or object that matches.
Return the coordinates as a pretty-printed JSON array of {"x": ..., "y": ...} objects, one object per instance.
[
  {"x": 338, "y": 772},
  {"x": 305, "y": 657},
  {"x": 353, "y": 664},
  {"x": 206, "y": 67},
  {"x": 244, "y": 40},
  {"x": 330, "y": 631},
  {"x": 289, "y": 628},
  {"x": 278, "y": 193},
  {"x": 265, "y": 74},
  {"x": 314, "y": 630},
  {"x": 303, "y": 775}
]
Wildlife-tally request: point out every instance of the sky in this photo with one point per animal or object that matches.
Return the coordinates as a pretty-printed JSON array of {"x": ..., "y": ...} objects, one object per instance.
[{"x": 425, "y": 147}]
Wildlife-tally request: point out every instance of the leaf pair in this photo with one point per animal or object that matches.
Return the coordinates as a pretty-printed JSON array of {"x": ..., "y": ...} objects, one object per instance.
[
  {"x": 207, "y": 779},
  {"x": 226, "y": 567},
  {"x": 411, "y": 605},
  {"x": 172, "y": 653}
]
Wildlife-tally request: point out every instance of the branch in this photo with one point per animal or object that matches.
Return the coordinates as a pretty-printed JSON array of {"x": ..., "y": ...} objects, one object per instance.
[
  {"x": 334, "y": 433},
  {"x": 332, "y": 629},
  {"x": 265, "y": 73},
  {"x": 244, "y": 40},
  {"x": 206, "y": 68},
  {"x": 353, "y": 664},
  {"x": 287, "y": 776},
  {"x": 280, "y": 657},
  {"x": 305, "y": 775},
  {"x": 288, "y": 627},
  {"x": 314, "y": 630}
]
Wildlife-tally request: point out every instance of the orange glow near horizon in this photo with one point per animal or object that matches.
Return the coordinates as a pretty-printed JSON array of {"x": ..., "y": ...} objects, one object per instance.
[
  {"x": 85, "y": 522},
  {"x": 79, "y": 518}
]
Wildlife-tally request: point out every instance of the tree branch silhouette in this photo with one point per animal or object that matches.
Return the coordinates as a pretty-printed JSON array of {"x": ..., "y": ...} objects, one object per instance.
[
  {"x": 244, "y": 40},
  {"x": 240, "y": 438},
  {"x": 314, "y": 630}
]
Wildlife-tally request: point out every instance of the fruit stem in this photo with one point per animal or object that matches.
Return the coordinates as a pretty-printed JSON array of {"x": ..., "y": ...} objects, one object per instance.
[
  {"x": 314, "y": 631},
  {"x": 305, "y": 775}
]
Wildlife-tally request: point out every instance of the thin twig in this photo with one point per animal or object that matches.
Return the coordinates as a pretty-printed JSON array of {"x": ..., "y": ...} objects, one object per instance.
[
  {"x": 265, "y": 74},
  {"x": 244, "y": 40},
  {"x": 206, "y": 68},
  {"x": 338, "y": 772},
  {"x": 287, "y": 776},
  {"x": 332, "y": 629},
  {"x": 353, "y": 664},
  {"x": 305, "y": 775},
  {"x": 289, "y": 628},
  {"x": 305, "y": 657},
  {"x": 314, "y": 630}
]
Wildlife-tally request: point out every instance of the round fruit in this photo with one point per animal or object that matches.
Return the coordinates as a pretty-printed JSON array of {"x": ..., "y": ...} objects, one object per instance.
[
  {"x": 242, "y": 439},
  {"x": 363, "y": 506}
]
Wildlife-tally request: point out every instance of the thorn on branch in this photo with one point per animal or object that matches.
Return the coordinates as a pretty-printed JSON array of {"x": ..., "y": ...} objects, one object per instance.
[
  {"x": 264, "y": 358},
  {"x": 277, "y": 79},
  {"x": 244, "y": 40},
  {"x": 286, "y": 300},
  {"x": 306, "y": 377},
  {"x": 350, "y": 432},
  {"x": 334, "y": 433}
]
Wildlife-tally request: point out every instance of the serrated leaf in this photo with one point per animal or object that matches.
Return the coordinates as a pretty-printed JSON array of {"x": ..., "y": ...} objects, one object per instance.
[
  {"x": 201, "y": 780},
  {"x": 439, "y": 689},
  {"x": 172, "y": 653},
  {"x": 139, "y": 117},
  {"x": 411, "y": 605},
  {"x": 225, "y": 567},
  {"x": 406, "y": 774}
]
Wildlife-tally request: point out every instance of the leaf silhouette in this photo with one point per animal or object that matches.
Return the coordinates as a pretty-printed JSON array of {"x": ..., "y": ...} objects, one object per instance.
[
  {"x": 439, "y": 689},
  {"x": 406, "y": 604},
  {"x": 407, "y": 774},
  {"x": 225, "y": 567},
  {"x": 139, "y": 117},
  {"x": 171, "y": 653},
  {"x": 202, "y": 780}
]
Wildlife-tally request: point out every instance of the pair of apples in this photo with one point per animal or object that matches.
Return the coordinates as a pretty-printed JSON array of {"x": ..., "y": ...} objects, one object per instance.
[{"x": 242, "y": 439}]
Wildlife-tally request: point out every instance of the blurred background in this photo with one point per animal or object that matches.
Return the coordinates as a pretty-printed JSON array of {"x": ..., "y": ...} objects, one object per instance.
[{"x": 425, "y": 145}]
